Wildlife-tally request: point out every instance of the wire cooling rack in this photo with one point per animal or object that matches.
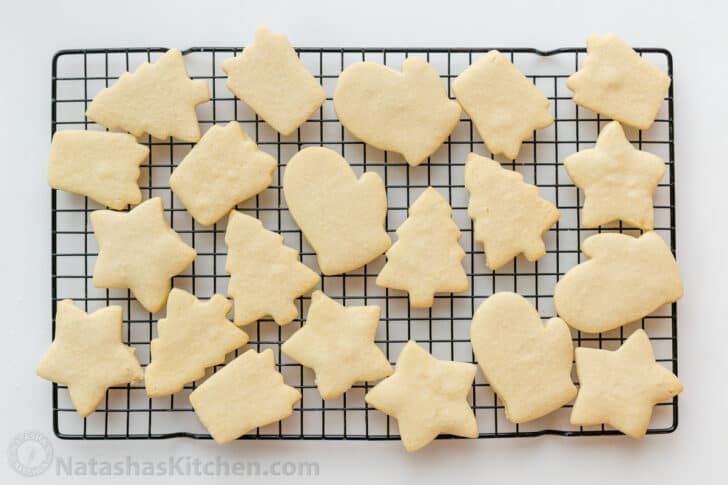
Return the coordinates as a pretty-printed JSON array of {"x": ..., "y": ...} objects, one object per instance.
[{"x": 126, "y": 412}]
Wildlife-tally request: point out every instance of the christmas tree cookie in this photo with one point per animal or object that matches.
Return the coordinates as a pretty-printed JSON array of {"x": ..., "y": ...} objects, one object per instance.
[
  {"x": 158, "y": 99},
  {"x": 426, "y": 258},
  {"x": 193, "y": 336},
  {"x": 265, "y": 275},
  {"x": 509, "y": 216}
]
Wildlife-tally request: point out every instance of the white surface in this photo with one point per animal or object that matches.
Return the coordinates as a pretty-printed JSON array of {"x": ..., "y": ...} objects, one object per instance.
[{"x": 695, "y": 33}]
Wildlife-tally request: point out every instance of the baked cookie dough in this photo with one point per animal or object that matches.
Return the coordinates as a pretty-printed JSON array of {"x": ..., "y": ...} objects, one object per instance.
[
  {"x": 625, "y": 279},
  {"x": 620, "y": 388},
  {"x": 527, "y": 364},
  {"x": 505, "y": 106},
  {"x": 269, "y": 77},
  {"x": 427, "y": 396},
  {"x": 225, "y": 168},
  {"x": 245, "y": 394},
  {"x": 427, "y": 257},
  {"x": 193, "y": 336},
  {"x": 617, "y": 179},
  {"x": 342, "y": 216},
  {"x": 407, "y": 112},
  {"x": 88, "y": 356},
  {"x": 615, "y": 81},
  {"x": 100, "y": 165},
  {"x": 509, "y": 216},
  {"x": 158, "y": 99},
  {"x": 266, "y": 276},
  {"x": 138, "y": 250},
  {"x": 337, "y": 342}
]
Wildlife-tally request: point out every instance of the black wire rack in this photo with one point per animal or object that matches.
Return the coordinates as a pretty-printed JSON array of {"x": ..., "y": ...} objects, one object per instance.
[{"x": 127, "y": 413}]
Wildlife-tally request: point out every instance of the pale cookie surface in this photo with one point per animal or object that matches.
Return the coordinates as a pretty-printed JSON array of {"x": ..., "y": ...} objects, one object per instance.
[
  {"x": 625, "y": 279},
  {"x": 193, "y": 336},
  {"x": 337, "y": 342},
  {"x": 427, "y": 257},
  {"x": 527, "y": 364},
  {"x": 266, "y": 276},
  {"x": 88, "y": 356},
  {"x": 509, "y": 215},
  {"x": 616, "y": 82},
  {"x": 270, "y": 78},
  {"x": 341, "y": 216},
  {"x": 505, "y": 106},
  {"x": 427, "y": 396},
  {"x": 621, "y": 387},
  {"x": 138, "y": 250},
  {"x": 618, "y": 180},
  {"x": 103, "y": 166},
  {"x": 225, "y": 168},
  {"x": 407, "y": 112},
  {"x": 159, "y": 99},
  {"x": 245, "y": 394}
]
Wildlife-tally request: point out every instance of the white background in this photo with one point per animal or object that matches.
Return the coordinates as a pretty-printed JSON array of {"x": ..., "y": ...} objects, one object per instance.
[{"x": 694, "y": 31}]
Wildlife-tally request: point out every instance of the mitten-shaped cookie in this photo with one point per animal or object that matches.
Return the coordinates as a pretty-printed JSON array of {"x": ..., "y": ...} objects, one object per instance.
[
  {"x": 342, "y": 216},
  {"x": 626, "y": 279},
  {"x": 528, "y": 364}
]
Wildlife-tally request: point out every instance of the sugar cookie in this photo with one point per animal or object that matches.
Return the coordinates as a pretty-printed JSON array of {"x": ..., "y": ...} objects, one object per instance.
[
  {"x": 88, "y": 356},
  {"x": 193, "y": 336},
  {"x": 407, "y": 112},
  {"x": 505, "y": 106},
  {"x": 527, "y": 364},
  {"x": 245, "y": 394},
  {"x": 427, "y": 257},
  {"x": 265, "y": 275},
  {"x": 620, "y": 388},
  {"x": 616, "y": 82},
  {"x": 138, "y": 250},
  {"x": 618, "y": 180},
  {"x": 626, "y": 279},
  {"x": 427, "y": 396},
  {"x": 100, "y": 165},
  {"x": 337, "y": 342},
  {"x": 269, "y": 77},
  {"x": 509, "y": 216},
  {"x": 225, "y": 168},
  {"x": 158, "y": 99},
  {"x": 341, "y": 216}
]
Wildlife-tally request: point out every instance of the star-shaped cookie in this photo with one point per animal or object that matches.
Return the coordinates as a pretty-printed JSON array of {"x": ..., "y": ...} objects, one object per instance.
[
  {"x": 243, "y": 395},
  {"x": 158, "y": 99},
  {"x": 616, "y": 82},
  {"x": 427, "y": 396},
  {"x": 88, "y": 356},
  {"x": 138, "y": 250},
  {"x": 193, "y": 336},
  {"x": 101, "y": 165},
  {"x": 337, "y": 342},
  {"x": 620, "y": 388},
  {"x": 618, "y": 180},
  {"x": 504, "y": 105}
]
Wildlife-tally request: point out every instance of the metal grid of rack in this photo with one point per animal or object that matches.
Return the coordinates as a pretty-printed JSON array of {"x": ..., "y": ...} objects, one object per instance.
[{"x": 126, "y": 412}]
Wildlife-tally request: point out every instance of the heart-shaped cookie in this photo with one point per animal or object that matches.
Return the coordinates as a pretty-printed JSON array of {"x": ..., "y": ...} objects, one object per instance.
[{"x": 527, "y": 364}]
